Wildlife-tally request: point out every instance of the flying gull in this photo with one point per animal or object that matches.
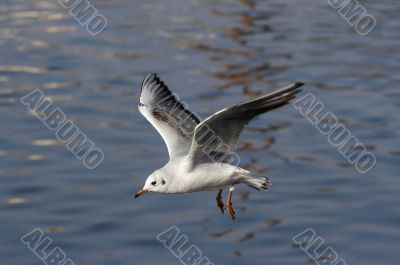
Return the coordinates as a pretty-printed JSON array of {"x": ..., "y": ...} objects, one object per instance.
[{"x": 201, "y": 153}]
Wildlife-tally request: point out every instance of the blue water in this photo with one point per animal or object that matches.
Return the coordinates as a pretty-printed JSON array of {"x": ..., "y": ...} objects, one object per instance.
[{"x": 209, "y": 53}]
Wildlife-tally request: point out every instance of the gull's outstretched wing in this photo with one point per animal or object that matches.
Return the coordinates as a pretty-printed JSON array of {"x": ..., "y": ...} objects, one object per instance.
[
  {"x": 217, "y": 136},
  {"x": 170, "y": 117}
]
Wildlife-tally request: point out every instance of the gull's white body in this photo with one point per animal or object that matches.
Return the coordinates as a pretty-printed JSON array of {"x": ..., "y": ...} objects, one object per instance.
[
  {"x": 208, "y": 176},
  {"x": 192, "y": 166}
]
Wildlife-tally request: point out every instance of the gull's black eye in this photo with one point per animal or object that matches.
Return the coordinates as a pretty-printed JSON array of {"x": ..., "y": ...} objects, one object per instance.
[
  {"x": 153, "y": 183},
  {"x": 163, "y": 182}
]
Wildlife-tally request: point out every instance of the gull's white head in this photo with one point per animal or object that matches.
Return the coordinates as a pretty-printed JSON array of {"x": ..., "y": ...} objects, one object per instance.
[{"x": 154, "y": 183}]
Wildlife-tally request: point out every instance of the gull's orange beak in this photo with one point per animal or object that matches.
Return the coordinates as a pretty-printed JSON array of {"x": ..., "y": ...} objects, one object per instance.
[{"x": 140, "y": 192}]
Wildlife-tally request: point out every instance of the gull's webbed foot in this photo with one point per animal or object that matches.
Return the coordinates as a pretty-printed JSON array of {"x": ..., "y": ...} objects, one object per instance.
[
  {"x": 220, "y": 203},
  {"x": 229, "y": 207}
]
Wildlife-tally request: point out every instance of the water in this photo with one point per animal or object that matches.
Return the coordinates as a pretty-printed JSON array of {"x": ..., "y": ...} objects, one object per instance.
[{"x": 210, "y": 53}]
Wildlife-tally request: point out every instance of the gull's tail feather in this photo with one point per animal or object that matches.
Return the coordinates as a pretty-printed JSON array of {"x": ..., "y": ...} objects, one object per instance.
[{"x": 255, "y": 181}]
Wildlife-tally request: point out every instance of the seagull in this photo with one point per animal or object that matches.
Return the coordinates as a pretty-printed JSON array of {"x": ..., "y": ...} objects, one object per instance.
[{"x": 201, "y": 153}]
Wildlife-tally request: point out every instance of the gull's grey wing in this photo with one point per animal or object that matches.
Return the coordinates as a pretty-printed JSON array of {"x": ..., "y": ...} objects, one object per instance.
[
  {"x": 174, "y": 122},
  {"x": 217, "y": 136}
]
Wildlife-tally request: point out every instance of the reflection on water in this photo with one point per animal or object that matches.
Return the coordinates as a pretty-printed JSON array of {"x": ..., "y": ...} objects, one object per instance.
[{"x": 212, "y": 54}]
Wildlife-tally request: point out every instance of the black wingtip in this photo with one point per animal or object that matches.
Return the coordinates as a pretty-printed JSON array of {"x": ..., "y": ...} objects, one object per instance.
[
  {"x": 149, "y": 75},
  {"x": 146, "y": 79},
  {"x": 298, "y": 84}
]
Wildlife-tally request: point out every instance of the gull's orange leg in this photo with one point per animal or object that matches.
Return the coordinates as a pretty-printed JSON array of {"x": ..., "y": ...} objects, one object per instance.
[
  {"x": 229, "y": 204},
  {"x": 220, "y": 204}
]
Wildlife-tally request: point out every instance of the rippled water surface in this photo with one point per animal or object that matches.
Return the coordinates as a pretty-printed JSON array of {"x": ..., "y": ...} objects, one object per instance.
[{"x": 212, "y": 54}]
